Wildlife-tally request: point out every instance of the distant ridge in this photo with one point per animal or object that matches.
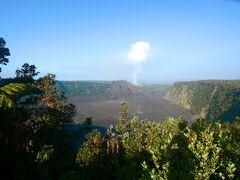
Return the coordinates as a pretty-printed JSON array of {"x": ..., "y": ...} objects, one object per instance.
[{"x": 114, "y": 89}]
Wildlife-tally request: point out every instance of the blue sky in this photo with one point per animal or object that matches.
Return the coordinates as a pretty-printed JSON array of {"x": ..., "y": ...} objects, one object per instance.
[{"x": 91, "y": 39}]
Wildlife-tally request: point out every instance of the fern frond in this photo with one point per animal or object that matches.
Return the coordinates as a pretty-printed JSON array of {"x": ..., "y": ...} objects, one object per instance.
[{"x": 12, "y": 91}]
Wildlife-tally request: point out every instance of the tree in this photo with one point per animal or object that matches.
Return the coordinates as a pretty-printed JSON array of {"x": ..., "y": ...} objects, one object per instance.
[
  {"x": 27, "y": 71},
  {"x": 11, "y": 125},
  {"x": 87, "y": 124},
  {"x": 92, "y": 150},
  {"x": 206, "y": 146},
  {"x": 123, "y": 122},
  {"x": 4, "y": 52}
]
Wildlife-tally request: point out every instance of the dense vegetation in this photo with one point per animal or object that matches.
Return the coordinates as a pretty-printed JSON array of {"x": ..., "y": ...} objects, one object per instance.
[
  {"x": 210, "y": 99},
  {"x": 37, "y": 141},
  {"x": 83, "y": 87}
]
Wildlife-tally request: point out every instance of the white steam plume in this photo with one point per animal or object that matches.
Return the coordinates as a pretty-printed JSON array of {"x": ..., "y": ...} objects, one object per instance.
[
  {"x": 138, "y": 54},
  {"x": 136, "y": 71}
]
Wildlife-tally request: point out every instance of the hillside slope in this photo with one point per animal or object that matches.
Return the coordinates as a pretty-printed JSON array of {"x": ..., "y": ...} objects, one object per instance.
[
  {"x": 210, "y": 99},
  {"x": 123, "y": 88},
  {"x": 114, "y": 89}
]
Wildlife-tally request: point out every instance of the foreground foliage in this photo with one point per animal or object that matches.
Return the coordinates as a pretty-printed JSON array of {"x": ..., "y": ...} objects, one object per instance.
[{"x": 140, "y": 149}]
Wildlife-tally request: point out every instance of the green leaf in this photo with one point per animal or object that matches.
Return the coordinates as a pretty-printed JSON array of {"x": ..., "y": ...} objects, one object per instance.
[{"x": 10, "y": 92}]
